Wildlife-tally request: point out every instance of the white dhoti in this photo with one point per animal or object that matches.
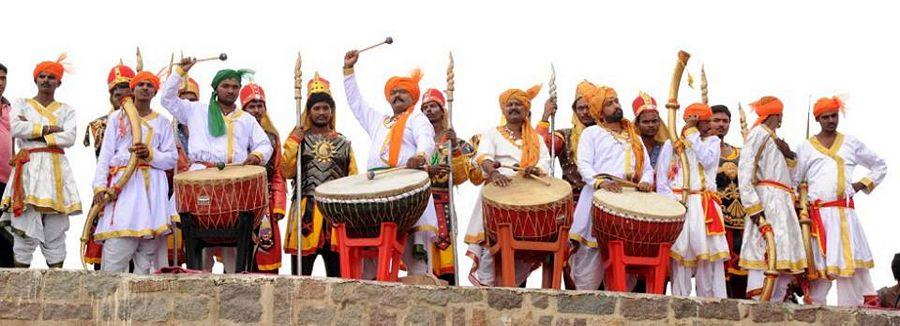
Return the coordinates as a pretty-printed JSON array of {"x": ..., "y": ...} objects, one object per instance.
[
  {"x": 45, "y": 230},
  {"x": 119, "y": 251}
]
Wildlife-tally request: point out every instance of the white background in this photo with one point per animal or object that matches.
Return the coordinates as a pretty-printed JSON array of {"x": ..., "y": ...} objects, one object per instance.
[{"x": 793, "y": 50}]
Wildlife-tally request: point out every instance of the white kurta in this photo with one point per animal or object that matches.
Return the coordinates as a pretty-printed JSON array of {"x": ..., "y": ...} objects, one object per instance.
[
  {"x": 47, "y": 178},
  {"x": 776, "y": 203},
  {"x": 500, "y": 148},
  {"x": 243, "y": 135},
  {"x": 142, "y": 208},
  {"x": 418, "y": 138},
  {"x": 827, "y": 172},
  {"x": 693, "y": 243}
]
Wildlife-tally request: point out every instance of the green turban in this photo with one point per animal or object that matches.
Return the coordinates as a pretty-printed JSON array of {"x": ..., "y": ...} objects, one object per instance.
[{"x": 216, "y": 120}]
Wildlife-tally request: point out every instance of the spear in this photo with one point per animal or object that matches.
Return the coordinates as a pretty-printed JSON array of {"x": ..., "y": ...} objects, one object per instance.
[
  {"x": 298, "y": 97},
  {"x": 451, "y": 86},
  {"x": 552, "y": 120},
  {"x": 743, "y": 121},
  {"x": 139, "y": 66},
  {"x": 704, "y": 86}
]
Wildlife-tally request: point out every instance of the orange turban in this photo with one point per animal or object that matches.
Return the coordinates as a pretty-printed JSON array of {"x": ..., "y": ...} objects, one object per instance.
[
  {"x": 189, "y": 85},
  {"x": 531, "y": 145},
  {"x": 702, "y": 111},
  {"x": 766, "y": 106},
  {"x": 145, "y": 75},
  {"x": 55, "y": 68},
  {"x": 828, "y": 105},
  {"x": 583, "y": 88},
  {"x": 410, "y": 84},
  {"x": 597, "y": 98}
]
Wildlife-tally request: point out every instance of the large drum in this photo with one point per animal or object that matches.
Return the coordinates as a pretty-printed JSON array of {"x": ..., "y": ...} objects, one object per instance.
[
  {"x": 535, "y": 210},
  {"x": 398, "y": 196},
  {"x": 642, "y": 220},
  {"x": 215, "y": 197}
]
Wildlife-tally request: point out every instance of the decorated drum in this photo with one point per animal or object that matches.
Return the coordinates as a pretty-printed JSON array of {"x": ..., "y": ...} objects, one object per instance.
[
  {"x": 535, "y": 210},
  {"x": 642, "y": 220},
  {"x": 215, "y": 197}
]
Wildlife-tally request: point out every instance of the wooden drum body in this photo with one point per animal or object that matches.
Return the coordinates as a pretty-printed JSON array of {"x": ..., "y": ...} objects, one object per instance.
[
  {"x": 215, "y": 197},
  {"x": 642, "y": 220},
  {"x": 534, "y": 210},
  {"x": 361, "y": 204}
]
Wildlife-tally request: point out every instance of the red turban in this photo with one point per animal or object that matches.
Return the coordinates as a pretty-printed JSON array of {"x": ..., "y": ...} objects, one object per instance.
[
  {"x": 119, "y": 74},
  {"x": 55, "y": 68},
  {"x": 410, "y": 84},
  {"x": 642, "y": 103},
  {"x": 702, "y": 111},
  {"x": 189, "y": 85},
  {"x": 828, "y": 105},
  {"x": 145, "y": 75},
  {"x": 252, "y": 92},
  {"x": 766, "y": 106},
  {"x": 433, "y": 95}
]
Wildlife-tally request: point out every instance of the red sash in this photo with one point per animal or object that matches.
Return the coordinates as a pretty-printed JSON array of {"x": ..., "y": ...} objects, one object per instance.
[
  {"x": 715, "y": 224},
  {"x": 19, "y": 160},
  {"x": 818, "y": 228}
]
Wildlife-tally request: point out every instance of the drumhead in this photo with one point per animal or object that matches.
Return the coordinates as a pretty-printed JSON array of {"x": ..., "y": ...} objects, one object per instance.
[
  {"x": 228, "y": 173},
  {"x": 526, "y": 192},
  {"x": 642, "y": 205},
  {"x": 385, "y": 184}
]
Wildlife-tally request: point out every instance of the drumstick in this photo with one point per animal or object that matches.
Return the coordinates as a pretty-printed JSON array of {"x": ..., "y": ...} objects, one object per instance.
[
  {"x": 221, "y": 56},
  {"x": 388, "y": 40},
  {"x": 618, "y": 180},
  {"x": 529, "y": 175},
  {"x": 371, "y": 174}
]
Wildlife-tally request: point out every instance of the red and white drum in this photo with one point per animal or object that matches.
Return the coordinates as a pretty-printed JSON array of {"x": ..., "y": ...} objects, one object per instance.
[
  {"x": 535, "y": 210},
  {"x": 215, "y": 197},
  {"x": 642, "y": 220}
]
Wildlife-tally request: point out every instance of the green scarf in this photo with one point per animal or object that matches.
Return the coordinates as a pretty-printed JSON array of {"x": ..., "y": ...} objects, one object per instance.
[{"x": 216, "y": 119}]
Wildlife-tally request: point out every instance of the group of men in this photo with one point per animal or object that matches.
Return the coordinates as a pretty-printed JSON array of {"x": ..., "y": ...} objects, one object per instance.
[{"x": 720, "y": 246}]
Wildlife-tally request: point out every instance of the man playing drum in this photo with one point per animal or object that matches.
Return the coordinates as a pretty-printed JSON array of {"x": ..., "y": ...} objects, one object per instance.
[
  {"x": 133, "y": 225},
  {"x": 403, "y": 138},
  {"x": 268, "y": 253},
  {"x": 434, "y": 107},
  {"x": 764, "y": 179},
  {"x": 323, "y": 155},
  {"x": 612, "y": 146},
  {"x": 701, "y": 248},
  {"x": 43, "y": 193},
  {"x": 220, "y": 132},
  {"x": 826, "y": 162},
  {"x": 513, "y": 144}
]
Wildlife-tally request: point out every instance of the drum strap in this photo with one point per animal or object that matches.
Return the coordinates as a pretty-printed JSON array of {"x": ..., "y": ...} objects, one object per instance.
[{"x": 818, "y": 228}]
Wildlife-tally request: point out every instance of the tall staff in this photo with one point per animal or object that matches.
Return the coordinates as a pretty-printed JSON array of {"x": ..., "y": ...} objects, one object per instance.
[
  {"x": 451, "y": 86},
  {"x": 553, "y": 120},
  {"x": 298, "y": 97}
]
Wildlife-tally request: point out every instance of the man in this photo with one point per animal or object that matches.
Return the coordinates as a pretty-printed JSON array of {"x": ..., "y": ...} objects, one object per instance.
[
  {"x": 118, "y": 83},
  {"x": 137, "y": 221},
  {"x": 825, "y": 162},
  {"x": 220, "y": 132},
  {"x": 308, "y": 143},
  {"x": 43, "y": 193},
  {"x": 764, "y": 181},
  {"x": 433, "y": 106},
  {"x": 6, "y": 150},
  {"x": 566, "y": 140},
  {"x": 268, "y": 254},
  {"x": 513, "y": 144},
  {"x": 652, "y": 130},
  {"x": 612, "y": 147},
  {"x": 701, "y": 248},
  {"x": 406, "y": 139},
  {"x": 732, "y": 210},
  {"x": 889, "y": 297}
]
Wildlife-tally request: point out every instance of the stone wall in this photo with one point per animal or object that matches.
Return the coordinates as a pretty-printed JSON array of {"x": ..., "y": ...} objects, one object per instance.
[{"x": 76, "y": 297}]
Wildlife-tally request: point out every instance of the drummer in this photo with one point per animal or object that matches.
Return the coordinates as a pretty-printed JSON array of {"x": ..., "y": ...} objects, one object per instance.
[
  {"x": 403, "y": 138},
  {"x": 701, "y": 248},
  {"x": 268, "y": 243},
  {"x": 220, "y": 132},
  {"x": 514, "y": 143},
  {"x": 613, "y": 146},
  {"x": 133, "y": 226}
]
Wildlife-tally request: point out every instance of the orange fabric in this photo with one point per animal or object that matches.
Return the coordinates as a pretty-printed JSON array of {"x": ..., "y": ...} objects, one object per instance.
[
  {"x": 828, "y": 105},
  {"x": 715, "y": 224},
  {"x": 19, "y": 161},
  {"x": 411, "y": 85},
  {"x": 189, "y": 85},
  {"x": 817, "y": 228},
  {"x": 597, "y": 98},
  {"x": 145, "y": 75},
  {"x": 702, "y": 111},
  {"x": 531, "y": 144},
  {"x": 55, "y": 68},
  {"x": 766, "y": 106},
  {"x": 252, "y": 92},
  {"x": 119, "y": 74}
]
